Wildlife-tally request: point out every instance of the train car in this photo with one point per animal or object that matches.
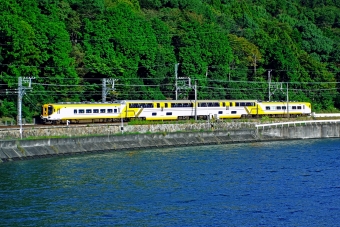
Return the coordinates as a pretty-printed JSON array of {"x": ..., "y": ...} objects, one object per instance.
[
  {"x": 186, "y": 109},
  {"x": 279, "y": 109},
  {"x": 80, "y": 112},
  {"x": 169, "y": 110}
]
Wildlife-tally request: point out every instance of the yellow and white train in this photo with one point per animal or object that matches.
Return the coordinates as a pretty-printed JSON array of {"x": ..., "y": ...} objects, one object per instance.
[{"x": 169, "y": 110}]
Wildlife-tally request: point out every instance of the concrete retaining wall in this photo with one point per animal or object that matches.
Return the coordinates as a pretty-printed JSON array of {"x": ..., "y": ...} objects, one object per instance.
[
  {"x": 317, "y": 131},
  {"x": 97, "y": 129},
  {"x": 27, "y": 149}
]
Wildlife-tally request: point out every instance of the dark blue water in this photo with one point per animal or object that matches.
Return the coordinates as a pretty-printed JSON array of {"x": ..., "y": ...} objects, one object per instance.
[{"x": 294, "y": 183}]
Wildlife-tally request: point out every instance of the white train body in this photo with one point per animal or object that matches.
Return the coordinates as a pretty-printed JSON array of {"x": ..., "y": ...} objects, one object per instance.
[{"x": 169, "y": 110}]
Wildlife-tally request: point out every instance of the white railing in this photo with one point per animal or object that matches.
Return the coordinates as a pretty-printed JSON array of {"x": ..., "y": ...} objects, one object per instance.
[
  {"x": 294, "y": 123},
  {"x": 326, "y": 115}
]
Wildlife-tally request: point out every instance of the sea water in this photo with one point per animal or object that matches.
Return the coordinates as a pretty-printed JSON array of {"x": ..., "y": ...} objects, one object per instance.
[{"x": 286, "y": 183}]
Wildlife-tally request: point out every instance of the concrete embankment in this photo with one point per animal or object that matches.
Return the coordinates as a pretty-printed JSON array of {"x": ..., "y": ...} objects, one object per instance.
[{"x": 27, "y": 149}]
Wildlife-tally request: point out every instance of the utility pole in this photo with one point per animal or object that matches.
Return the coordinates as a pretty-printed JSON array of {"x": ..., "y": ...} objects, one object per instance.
[
  {"x": 103, "y": 90},
  {"x": 176, "y": 76},
  {"x": 287, "y": 102},
  {"x": 21, "y": 93},
  {"x": 106, "y": 90},
  {"x": 195, "y": 87},
  {"x": 269, "y": 81}
]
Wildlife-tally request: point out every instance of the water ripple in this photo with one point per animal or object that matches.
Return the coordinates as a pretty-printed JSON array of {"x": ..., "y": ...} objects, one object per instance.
[{"x": 291, "y": 183}]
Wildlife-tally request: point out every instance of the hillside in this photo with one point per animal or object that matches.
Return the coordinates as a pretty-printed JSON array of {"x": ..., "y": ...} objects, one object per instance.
[{"x": 229, "y": 47}]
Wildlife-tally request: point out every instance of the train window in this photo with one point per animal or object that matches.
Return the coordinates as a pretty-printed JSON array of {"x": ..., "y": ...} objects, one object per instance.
[
  {"x": 109, "y": 110},
  {"x": 88, "y": 111},
  {"x": 220, "y": 112},
  {"x": 75, "y": 111},
  {"x": 154, "y": 114},
  {"x": 95, "y": 111},
  {"x": 168, "y": 113},
  {"x": 102, "y": 110},
  {"x": 278, "y": 107},
  {"x": 223, "y": 104},
  {"x": 284, "y": 107},
  {"x": 299, "y": 107},
  {"x": 216, "y": 104},
  {"x": 50, "y": 110},
  {"x": 166, "y": 105},
  {"x": 294, "y": 107},
  {"x": 233, "y": 112},
  {"x": 115, "y": 110},
  {"x": 267, "y": 107},
  {"x": 237, "y": 104},
  {"x": 158, "y": 105},
  {"x": 231, "y": 104},
  {"x": 250, "y": 104},
  {"x": 81, "y": 111}
]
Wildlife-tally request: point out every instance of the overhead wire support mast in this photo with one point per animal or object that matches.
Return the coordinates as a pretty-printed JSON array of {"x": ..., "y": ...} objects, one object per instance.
[
  {"x": 269, "y": 81},
  {"x": 21, "y": 93},
  {"x": 176, "y": 77},
  {"x": 106, "y": 90}
]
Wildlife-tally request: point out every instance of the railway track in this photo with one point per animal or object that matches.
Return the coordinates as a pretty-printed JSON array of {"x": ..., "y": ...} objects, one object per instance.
[{"x": 56, "y": 126}]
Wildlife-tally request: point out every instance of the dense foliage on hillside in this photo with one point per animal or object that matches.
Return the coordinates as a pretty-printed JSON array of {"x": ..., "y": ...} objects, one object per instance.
[{"x": 229, "y": 47}]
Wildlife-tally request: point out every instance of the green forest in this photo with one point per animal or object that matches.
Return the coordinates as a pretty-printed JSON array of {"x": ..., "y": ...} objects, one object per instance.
[{"x": 231, "y": 49}]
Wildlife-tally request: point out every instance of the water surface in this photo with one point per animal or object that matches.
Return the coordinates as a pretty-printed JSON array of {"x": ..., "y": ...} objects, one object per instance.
[{"x": 290, "y": 183}]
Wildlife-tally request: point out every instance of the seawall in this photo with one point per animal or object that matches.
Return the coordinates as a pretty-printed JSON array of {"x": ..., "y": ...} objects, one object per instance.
[{"x": 28, "y": 149}]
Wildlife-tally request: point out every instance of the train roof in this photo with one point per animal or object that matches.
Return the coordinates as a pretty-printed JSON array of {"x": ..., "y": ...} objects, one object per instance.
[
  {"x": 187, "y": 100},
  {"x": 151, "y": 101},
  {"x": 171, "y": 101}
]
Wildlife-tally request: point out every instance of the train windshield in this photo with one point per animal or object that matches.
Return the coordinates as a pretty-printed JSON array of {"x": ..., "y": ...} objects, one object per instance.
[{"x": 50, "y": 110}]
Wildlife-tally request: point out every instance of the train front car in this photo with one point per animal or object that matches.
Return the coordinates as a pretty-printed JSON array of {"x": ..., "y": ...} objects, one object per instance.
[
  {"x": 47, "y": 112},
  {"x": 81, "y": 112}
]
